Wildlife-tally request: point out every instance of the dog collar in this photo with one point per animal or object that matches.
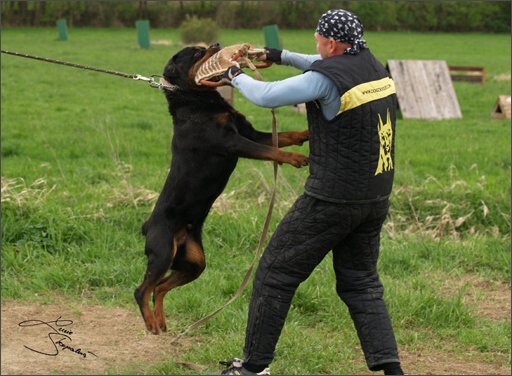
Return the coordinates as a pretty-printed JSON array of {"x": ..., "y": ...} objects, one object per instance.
[{"x": 163, "y": 84}]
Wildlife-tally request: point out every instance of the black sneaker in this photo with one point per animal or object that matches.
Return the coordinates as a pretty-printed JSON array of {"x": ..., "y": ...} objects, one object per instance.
[{"x": 235, "y": 367}]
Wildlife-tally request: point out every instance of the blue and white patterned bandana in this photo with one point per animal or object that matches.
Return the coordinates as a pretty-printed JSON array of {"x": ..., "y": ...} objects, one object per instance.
[{"x": 342, "y": 26}]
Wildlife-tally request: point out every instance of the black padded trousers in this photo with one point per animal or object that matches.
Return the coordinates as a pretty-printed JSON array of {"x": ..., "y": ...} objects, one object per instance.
[{"x": 310, "y": 230}]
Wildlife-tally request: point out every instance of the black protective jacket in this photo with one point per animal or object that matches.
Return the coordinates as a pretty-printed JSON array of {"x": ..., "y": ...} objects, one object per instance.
[{"x": 352, "y": 155}]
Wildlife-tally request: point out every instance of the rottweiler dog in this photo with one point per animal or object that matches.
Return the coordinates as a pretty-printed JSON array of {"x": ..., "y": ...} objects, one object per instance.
[{"x": 209, "y": 137}]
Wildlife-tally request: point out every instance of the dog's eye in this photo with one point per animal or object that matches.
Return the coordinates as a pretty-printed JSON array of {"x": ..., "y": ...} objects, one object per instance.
[{"x": 198, "y": 53}]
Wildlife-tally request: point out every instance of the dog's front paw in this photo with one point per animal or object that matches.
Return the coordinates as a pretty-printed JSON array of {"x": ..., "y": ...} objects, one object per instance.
[
  {"x": 298, "y": 160},
  {"x": 301, "y": 137}
]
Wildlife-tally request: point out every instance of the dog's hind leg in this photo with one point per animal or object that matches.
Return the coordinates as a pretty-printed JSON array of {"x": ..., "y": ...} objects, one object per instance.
[
  {"x": 160, "y": 253},
  {"x": 187, "y": 266}
]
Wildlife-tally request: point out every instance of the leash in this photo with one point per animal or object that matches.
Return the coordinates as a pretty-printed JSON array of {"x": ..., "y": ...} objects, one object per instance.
[
  {"x": 137, "y": 77},
  {"x": 258, "y": 250}
]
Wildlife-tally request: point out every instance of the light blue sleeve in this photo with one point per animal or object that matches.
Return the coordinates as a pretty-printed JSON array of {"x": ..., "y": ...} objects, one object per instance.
[
  {"x": 294, "y": 90},
  {"x": 299, "y": 61}
]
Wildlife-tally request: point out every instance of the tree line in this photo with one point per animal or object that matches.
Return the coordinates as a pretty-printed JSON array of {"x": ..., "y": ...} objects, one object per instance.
[{"x": 437, "y": 16}]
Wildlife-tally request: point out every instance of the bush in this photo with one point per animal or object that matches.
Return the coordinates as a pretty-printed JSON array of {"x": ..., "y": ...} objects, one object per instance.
[{"x": 195, "y": 30}]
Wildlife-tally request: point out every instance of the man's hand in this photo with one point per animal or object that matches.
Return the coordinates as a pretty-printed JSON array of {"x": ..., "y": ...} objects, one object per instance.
[
  {"x": 231, "y": 73},
  {"x": 272, "y": 55}
]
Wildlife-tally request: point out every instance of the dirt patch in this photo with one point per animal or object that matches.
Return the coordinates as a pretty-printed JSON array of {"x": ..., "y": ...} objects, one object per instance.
[
  {"x": 502, "y": 77},
  {"x": 439, "y": 362},
  {"x": 163, "y": 42},
  {"x": 94, "y": 340},
  {"x": 494, "y": 304},
  {"x": 490, "y": 299},
  {"x": 77, "y": 340}
]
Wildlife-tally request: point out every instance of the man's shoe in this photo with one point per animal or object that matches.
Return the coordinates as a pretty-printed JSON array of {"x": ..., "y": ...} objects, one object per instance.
[{"x": 235, "y": 367}]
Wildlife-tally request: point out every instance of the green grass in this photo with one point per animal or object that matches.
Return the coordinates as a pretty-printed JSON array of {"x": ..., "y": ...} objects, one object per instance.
[{"x": 84, "y": 155}]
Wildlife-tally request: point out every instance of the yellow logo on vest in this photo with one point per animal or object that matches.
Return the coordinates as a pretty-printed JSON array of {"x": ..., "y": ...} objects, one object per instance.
[
  {"x": 386, "y": 142},
  {"x": 366, "y": 93}
]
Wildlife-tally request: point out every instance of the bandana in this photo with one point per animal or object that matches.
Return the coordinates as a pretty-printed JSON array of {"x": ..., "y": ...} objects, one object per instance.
[{"x": 342, "y": 26}]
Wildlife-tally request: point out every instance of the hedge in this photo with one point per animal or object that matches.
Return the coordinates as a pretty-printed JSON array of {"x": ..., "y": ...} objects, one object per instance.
[{"x": 442, "y": 16}]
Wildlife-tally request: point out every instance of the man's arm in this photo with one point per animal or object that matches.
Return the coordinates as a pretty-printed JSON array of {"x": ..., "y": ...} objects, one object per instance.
[
  {"x": 299, "y": 61},
  {"x": 294, "y": 90}
]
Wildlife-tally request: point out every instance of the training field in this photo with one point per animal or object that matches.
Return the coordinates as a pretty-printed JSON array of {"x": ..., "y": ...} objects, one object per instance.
[{"x": 85, "y": 154}]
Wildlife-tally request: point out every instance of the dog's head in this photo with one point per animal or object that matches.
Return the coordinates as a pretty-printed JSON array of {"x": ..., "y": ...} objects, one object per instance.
[{"x": 182, "y": 68}]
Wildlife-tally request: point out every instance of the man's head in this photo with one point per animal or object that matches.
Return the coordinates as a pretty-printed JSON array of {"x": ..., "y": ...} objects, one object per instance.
[{"x": 342, "y": 26}]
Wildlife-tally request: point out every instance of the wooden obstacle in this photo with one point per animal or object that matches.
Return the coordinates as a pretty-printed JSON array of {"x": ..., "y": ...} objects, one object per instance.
[
  {"x": 501, "y": 108},
  {"x": 227, "y": 93},
  {"x": 424, "y": 89},
  {"x": 300, "y": 108},
  {"x": 468, "y": 74}
]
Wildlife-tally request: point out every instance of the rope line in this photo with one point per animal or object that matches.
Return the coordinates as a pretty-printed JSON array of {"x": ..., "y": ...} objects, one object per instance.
[
  {"x": 258, "y": 250},
  {"x": 70, "y": 64},
  {"x": 150, "y": 80}
]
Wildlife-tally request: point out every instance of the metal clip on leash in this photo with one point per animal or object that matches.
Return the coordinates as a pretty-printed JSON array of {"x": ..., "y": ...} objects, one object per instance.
[{"x": 151, "y": 81}]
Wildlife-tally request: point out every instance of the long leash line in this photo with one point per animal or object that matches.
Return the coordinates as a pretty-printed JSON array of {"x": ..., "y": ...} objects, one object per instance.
[
  {"x": 69, "y": 64},
  {"x": 258, "y": 250},
  {"x": 150, "y": 80}
]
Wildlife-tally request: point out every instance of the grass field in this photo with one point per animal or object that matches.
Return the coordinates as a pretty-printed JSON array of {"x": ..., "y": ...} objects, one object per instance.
[{"x": 84, "y": 155}]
